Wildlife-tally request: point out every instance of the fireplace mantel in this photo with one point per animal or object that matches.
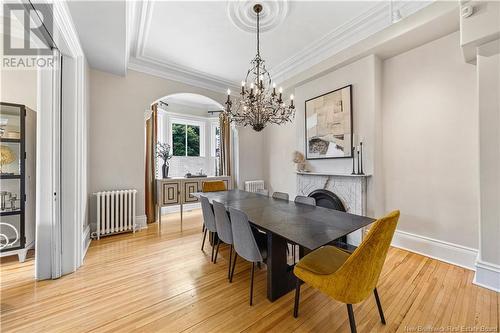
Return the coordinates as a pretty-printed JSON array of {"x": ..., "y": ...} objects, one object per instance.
[
  {"x": 330, "y": 174},
  {"x": 351, "y": 189}
]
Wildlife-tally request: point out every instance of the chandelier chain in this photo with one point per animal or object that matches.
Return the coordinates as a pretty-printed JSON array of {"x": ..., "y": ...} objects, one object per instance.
[{"x": 258, "y": 34}]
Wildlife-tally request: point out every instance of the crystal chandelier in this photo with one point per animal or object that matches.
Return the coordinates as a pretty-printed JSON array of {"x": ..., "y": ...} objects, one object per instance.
[{"x": 260, "y": 104}]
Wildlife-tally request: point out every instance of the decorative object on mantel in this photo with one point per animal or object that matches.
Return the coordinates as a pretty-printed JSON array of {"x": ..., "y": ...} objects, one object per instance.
[
  {"x": 163, "y": 152},
  {"x": 328, "y": 121},
  {"x": 259, "y": 104},
  {"x": 300, "y": 161},
  {"x": 353, "y": 163},
  {"x": 361, "y": 157},
  {"x": 359, "y": 152}
]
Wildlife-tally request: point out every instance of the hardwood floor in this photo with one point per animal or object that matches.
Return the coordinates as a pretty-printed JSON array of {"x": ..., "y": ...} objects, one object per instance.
[{"x": 145, "y": 283}]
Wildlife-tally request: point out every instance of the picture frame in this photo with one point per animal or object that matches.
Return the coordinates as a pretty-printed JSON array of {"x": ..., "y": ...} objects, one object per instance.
[{"x": 329, "y": 125}]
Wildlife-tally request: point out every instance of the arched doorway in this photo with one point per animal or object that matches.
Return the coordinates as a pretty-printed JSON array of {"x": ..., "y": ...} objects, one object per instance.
[{"x": 188, "y": 126}]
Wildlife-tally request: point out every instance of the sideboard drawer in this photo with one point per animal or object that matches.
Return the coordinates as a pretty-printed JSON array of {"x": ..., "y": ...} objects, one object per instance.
[
  {"x": 170, "y": 194},
  {"x": 190, "y": 187}
]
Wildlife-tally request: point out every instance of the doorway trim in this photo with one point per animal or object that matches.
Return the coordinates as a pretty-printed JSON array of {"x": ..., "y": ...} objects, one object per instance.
[{"x": 62, "y": 210}]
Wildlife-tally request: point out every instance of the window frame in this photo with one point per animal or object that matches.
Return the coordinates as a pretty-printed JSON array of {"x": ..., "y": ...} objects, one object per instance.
[
  {"x": 213, "y": 142},
  {"x": 187, "y": 122}
]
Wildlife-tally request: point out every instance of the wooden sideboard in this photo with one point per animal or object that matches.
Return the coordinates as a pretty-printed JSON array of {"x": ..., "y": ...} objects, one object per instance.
[{"x": 177, "y": 191}]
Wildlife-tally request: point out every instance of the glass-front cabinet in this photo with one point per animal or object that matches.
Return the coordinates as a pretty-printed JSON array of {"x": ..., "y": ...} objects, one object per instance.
[{"x": 17, "y": 178}]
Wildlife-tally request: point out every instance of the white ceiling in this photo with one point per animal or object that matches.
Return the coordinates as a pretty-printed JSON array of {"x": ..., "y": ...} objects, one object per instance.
[
  {"x": 198, "y": 42},
  {"x": 201, "y": 36},
  {"x": 102, "y": 29}
]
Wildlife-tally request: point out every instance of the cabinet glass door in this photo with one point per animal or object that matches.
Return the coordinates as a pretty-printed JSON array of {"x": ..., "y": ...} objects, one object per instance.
[{"x": 11, "y": 176}]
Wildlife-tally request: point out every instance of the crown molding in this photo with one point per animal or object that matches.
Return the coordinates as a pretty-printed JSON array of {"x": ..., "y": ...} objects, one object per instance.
[
  {"x": 204, "y": 82},
  {"x": 373, "y": 20},
  {"x": 147, "y": 64},
  {"x": 64, "y": 22},
  {"x": 366, "y": 24},
  {"x": 203, "y": 106}
]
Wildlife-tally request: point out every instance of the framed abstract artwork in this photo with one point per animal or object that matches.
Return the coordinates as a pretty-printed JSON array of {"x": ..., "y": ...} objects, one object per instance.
[{"x": 329, "y": 125}]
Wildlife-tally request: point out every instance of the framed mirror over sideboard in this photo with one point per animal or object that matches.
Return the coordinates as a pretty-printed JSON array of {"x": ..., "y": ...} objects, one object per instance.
[{"x": 17, "y": 179}]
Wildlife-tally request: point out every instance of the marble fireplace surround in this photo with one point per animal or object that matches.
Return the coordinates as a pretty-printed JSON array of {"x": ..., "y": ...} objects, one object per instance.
[{"x": 351, "y": 189}]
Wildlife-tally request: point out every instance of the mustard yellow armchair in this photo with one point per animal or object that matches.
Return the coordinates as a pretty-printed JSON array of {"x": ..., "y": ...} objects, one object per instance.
[
  {"x": 348, "y": 278},
  {"x": 213, "y": 186}
]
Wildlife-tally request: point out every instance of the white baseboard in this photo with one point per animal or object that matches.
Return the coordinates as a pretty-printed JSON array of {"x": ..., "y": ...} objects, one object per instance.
[
  {"x": 487, "y": 275},
  {"x": 86, "y": 241},
  {"x": 444, "y": 251},
  {"x": 141, "y": 222}
]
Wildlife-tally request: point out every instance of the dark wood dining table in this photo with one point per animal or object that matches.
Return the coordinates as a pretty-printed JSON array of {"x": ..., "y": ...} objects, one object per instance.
[{"x": 308, "y": 226}]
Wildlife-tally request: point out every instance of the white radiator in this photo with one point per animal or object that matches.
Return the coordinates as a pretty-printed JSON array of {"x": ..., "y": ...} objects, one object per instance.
[
  {"x": 115, "y": 212},
  {"x": 255, "y": 186}
]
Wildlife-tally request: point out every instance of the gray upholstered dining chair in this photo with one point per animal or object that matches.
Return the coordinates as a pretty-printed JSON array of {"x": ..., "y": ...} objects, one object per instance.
[
  {"x": 280, "y": 196},
  {"x": 224, "y": 231},
  {"x": 305, "y": 200},
  {"x": 245, "y": 244},
  {"x": 300, "y": 199},
  {"x": 209, "y": 221}
]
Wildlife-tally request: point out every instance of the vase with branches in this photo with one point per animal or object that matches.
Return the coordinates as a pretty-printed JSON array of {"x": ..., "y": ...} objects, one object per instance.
[{"x": 163, "y": 152}]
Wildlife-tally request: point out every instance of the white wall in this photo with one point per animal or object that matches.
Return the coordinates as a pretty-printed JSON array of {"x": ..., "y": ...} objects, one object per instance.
[
  {"x": 489, "y": 159},
  {"x": 281, "y": 141},
  {"x": 417, "y": 114},
  {"x": 250, "y": 154},
  {"x": 430, "y": 142},
  {"x": 19, "y": 86},
  {"x": 117, "y": 132}
]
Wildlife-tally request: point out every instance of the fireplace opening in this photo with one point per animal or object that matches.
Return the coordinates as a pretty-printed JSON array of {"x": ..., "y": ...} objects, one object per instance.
[{"x": 327, "y": 199}]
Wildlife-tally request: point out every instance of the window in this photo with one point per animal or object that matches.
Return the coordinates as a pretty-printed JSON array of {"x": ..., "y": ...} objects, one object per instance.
[
  {"x": 187, "y": 137},
  {"x": 215, "y": 139}
]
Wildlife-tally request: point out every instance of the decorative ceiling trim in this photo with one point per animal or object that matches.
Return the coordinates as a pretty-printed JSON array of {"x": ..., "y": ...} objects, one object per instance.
[
  {"x": 168, "y": 70},
  {"x": 367, "y": 23},
  {"x": 204, "y": 106},
  {"x": 148, "y": 67},
  {"x": 371, "y": 21},
  {"x": 242, "y": 15}
]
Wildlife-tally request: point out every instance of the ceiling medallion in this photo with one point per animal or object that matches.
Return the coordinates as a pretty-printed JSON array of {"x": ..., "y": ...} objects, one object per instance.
[
  {"x": 243, "y": 16},
  {"x": 260, "y": 104}
]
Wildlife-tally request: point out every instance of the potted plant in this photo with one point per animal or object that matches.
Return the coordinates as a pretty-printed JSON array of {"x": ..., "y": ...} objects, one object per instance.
[{"x": 163, "y": 152}]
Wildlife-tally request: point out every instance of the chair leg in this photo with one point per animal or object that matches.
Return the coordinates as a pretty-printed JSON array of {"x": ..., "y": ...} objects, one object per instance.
[
  {"x": 204, "y": 237},
  {"x": 379, "y": 306},
  {"x": 351, "y": 318},
  {"x": 297, "y": 298},
  {"x": 217, "y": 250},
  {"x": 213, "y": 246},
  {"x": 294, "y": 259},
  {"x": 230, "y": 259},
  {"x": 251, "y": 284},
  {"x": 234, "y": 265}
]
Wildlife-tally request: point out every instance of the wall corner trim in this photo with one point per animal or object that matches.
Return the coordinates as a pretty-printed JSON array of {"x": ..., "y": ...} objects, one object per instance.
[
  {"x": 85, "y": 241},
  {"x": 437, "y": 249},
  {"x": 487, "y": 275}
]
